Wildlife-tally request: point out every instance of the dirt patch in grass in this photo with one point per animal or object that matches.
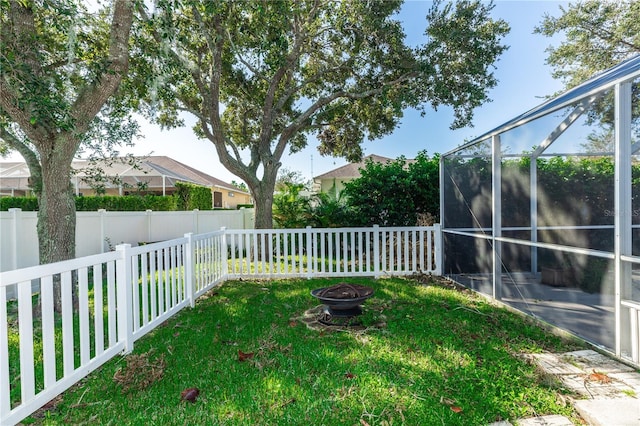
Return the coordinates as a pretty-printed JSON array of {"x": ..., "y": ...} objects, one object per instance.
[{"x": 140, "y": 372}]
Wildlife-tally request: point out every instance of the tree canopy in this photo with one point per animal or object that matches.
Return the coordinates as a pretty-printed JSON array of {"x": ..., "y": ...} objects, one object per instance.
[
  {"x": 598, "y": 35},
  {"x": 60, "y": 67},
  {"x": 263, "y": 77}
]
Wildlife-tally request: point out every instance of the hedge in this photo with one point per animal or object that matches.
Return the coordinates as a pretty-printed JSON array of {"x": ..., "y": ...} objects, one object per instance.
[
  {"x": 190, "y": 196},
  {"x": 27, "y": 204},
  {"x": 94, "y": 203},
  {"x": 127, "y": 203}
]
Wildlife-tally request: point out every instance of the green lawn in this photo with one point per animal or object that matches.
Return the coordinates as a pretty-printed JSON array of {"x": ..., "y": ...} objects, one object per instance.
[{"x": 426, "y": 355}]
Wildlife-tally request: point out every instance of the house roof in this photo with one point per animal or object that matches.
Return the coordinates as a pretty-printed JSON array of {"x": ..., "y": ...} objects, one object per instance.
[
  {"x": 352, "y": 170},
  {"x": 163, "y": 164},
  {"x": 154, "y": 171}
]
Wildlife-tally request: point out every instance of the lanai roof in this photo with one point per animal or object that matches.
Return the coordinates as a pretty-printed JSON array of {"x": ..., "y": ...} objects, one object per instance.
[
  {"x": 624, "y": 71},
  {"x": 152, "y": 170}
]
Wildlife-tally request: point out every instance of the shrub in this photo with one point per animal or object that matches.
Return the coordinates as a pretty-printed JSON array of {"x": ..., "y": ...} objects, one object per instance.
[
  {"x": 28, "y": 204},
  {"x": 189, "y": 196},
  {"x": 126, "y": 203}
]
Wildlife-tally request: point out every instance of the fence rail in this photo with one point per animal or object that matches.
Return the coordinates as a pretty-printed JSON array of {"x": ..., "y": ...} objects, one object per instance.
[{"x": 61, "y": 321}]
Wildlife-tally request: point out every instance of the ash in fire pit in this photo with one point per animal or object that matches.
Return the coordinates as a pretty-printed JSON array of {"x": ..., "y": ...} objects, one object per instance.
[{"x": 341, "y": 302}]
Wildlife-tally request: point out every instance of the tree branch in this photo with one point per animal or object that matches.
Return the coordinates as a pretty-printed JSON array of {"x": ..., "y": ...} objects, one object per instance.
[
  {"x": 268, "y": 111},
  {"x": 609, "y": 36},
  {"x": 20, "y": 116},
  {"x": 29, "y": 156},
  {"x": 299, "y": 122},
  {"x": 93, "y": 97}
]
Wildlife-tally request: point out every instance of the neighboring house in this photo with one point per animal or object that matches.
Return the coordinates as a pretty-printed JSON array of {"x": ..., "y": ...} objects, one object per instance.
[
  {"x": 151, "y": 175},
  {"x": 338, "y": 177}
]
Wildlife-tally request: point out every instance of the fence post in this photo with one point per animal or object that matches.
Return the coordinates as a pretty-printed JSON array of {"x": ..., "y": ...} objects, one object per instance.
[
  {"x": 124, "y": 302},
  {"x": 376, "y": 251},
  {"x": 149, "y": 227},
  {"x": 103, "y": 236},
  {"x": 224, "y": 257},
  {"x": 189, "y": 270},
  {"x": 310, "y": 254},
  {"x": 437, "y": 241},
  {"x": 16, "y": 229},
  {"x": 5, "y": 399},
  {"x": 195, "y": 220},
  {"x": 248, "y": 219}
]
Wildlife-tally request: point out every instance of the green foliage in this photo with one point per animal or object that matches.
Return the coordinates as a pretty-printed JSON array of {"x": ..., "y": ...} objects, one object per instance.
[
  {"x": 127, "y": 203},
  {"x": 190, "y": 197},
  {"x": 241, "y": 186},
  {"x": 330, "y": 210},
  {"x": 285, "y": 70},
  {"x": 598, "y": 35},
  {"x": 322, "y": 210},
  {"x": 60, "y": 69},
  {"x": 382, "y": 195},
  {"x": 424, "y": 176},
  {"x": 395, "y": 193},
  {"x": 288, "y": 177},
  {"x": 246, "y": 206},
  {"x": 290, "y": 209},
  {"x": 576, "y": 191},
  {"x": 27, "y": 204},
  {"x": 94, "y": 203}
]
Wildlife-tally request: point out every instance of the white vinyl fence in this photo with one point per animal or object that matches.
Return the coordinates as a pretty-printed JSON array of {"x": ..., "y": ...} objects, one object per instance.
[
  {"x": 98, "y": 232},
  {"x": 108, "y": 301}
]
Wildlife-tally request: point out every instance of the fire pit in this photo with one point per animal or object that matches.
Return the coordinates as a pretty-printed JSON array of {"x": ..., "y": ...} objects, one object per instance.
[{"x": 341, "y": 302}]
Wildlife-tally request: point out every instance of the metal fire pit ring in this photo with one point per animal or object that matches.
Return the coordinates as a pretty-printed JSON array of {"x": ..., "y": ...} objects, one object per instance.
[{"x": 341, "y": 310}]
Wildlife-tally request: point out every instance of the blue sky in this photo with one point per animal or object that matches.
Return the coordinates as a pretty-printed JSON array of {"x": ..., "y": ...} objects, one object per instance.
[{"x": 524, "y": 80}]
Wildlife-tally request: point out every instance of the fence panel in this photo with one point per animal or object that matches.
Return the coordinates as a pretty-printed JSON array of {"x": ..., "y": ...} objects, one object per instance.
[
  {"x": 52, "y": 354},
  {"x": 157, "y": 280},
  {"x": 210, "y": 261},
  {"x": 325, "y": 252},
  {"x": 98, "y": 232},
  {"x": 134, "y": 289}
]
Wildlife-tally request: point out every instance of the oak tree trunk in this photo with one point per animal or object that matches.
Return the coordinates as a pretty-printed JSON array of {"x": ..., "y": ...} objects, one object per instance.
[{"x": 56, "y": 214}]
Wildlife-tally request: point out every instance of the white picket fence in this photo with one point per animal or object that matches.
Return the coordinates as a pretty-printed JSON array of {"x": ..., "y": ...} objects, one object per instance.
[{"x": 117, "y": 297}]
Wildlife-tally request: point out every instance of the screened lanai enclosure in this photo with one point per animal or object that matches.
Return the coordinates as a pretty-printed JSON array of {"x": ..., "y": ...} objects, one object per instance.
[{"x": 543, "y": 212}]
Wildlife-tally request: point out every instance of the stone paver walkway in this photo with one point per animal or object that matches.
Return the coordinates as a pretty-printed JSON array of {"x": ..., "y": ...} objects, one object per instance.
[{"x": 607, "y": 391}]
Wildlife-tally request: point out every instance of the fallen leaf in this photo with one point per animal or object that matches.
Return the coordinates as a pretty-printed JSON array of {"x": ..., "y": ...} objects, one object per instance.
[
  {"x": 456, "y": 409},
  {"x": 349, "y": 375},
  {"x": 599, "y": 377},
  {"x": 363, "y": 422},
  {"x": 189, "y": 394},
  {"x": 292, "y": 323},
  {"x": 242, "y": 356}
]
